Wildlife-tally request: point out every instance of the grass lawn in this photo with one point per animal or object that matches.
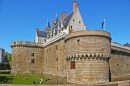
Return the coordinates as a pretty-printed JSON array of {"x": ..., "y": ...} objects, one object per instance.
[
  {"x": 21, "y": 79},
  {"x": 5, "y": 71}
]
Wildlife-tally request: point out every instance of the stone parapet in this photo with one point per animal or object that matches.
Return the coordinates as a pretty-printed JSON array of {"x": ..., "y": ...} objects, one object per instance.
[
  {"x": 27, "y": 57},
  {"x": 26, "y": 44},
  {"x": 88, "y": 33},
  {"x": 118, "y": 47}
]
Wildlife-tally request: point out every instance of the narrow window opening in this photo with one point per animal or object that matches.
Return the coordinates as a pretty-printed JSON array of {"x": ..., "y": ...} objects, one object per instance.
[
  {"x": 32, "y": 54},
  {"x": 56, "y": 59},
  {"x": 32, "y": 61},
  {"x": 56, "y": 47},
  {"x": 73, "y": 20},
  {"x": 79, "y": 22},
  {"x": 78, "y": 40},
  {"x": 71, "y": 27},
  {"x": 72, "y": 65}
]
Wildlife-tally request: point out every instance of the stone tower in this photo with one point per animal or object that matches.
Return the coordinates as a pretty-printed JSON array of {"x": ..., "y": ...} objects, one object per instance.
[
  {"x": 88, "y": 53},
  {"x": 27, "y": 58}
]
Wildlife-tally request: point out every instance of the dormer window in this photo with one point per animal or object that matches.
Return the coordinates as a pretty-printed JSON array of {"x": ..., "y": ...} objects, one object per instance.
[
  {"x": 73, "y": 20},
  {"x": 71, "y": 27}
]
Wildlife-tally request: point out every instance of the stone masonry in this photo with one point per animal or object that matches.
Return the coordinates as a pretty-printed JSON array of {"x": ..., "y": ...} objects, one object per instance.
[{"x": 69, "y": 51}]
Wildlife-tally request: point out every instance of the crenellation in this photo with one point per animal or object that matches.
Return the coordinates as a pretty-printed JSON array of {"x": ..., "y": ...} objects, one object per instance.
[
  {"x": 26, "y": 44},
  {"x": 66, "y": 49}
]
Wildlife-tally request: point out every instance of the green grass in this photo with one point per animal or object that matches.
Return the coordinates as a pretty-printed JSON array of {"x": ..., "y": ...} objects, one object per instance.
[
  {"x": 22, "y": 79},
  {"x": 5, "y": 70}
]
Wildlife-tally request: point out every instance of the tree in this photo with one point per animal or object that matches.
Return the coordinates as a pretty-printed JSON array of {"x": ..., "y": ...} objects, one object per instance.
[{"x": 9, "y": 57}]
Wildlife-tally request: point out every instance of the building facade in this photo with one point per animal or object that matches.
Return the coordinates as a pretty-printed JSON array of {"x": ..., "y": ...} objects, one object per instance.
[
  {"x": 2, "y": 55},
  {"x": 67, "y": 49}
]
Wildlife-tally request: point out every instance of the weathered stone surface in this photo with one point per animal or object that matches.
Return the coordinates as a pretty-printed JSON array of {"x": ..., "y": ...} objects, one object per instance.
[
  {"x": 119, "y": 64},
  {"x": 96, "y": 61},
  {"x": 21, "y": 59},
  {"x": 54, "y": 61},
  {"x": 91, "y": 51}
]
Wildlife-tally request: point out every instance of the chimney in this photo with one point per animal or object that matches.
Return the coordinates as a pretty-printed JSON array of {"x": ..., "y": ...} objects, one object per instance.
[
  {"x": 37, "y": 29},
  {"x": 75, "y": 5},
  {"x": 61, "y": 16},
  {"x": 64, "y": 14}
]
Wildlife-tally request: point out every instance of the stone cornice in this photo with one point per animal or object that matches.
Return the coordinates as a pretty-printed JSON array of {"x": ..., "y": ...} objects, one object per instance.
[{"x": 88, "y": 33}]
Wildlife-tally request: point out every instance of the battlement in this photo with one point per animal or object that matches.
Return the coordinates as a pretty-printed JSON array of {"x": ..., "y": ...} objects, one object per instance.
[
  {"x": 117, "y": 45},
  {"x": 88, "y": 33},
  {"x": 25, "y": 44}
]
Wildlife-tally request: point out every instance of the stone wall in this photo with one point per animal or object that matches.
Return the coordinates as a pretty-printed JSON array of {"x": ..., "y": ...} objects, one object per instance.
[
  {"x": 88, "y": 53},
  {"x": 82, "y": 57},
  {"x": 120, "y": 64},
  {"x": 54, "y": 61},
  {"x": 22, "y": 58}
]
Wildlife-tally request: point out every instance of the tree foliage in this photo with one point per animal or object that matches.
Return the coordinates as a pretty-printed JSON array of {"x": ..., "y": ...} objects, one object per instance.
[{"x": 9, "y": 57}]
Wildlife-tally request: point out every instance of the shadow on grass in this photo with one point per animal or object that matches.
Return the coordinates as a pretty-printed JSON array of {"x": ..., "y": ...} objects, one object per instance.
[
  {"x": 5, "y": 80},
  {"x": 22, "y": 79}
]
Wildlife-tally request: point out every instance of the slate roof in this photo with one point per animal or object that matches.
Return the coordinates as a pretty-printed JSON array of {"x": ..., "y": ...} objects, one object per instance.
[
  {"x": 42, "y": 34},
  {"x": 67, "y": 19},
  {"x": 127, "y": 44}
]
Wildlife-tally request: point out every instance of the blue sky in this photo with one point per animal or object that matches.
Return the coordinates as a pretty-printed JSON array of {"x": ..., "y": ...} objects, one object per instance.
[{"x": 20, "y": 18}]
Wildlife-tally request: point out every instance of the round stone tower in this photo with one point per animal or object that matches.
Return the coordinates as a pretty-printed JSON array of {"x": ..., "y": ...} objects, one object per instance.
[
  {"x": 88, "y": 53},
  {"x": 27, "y": 57}
]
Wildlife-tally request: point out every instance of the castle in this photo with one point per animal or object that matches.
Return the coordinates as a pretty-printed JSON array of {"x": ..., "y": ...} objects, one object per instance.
[{"x": 67, "y": 49}]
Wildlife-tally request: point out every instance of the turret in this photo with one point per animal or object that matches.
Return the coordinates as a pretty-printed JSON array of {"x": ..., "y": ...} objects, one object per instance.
[{"x": 47, "y": 27}]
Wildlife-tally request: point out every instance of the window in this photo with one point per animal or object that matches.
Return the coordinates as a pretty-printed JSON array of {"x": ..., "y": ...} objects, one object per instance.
[
  {"x": 56, "y": 59},
  {"x": 79, "y": 22},
  {"x": 57, "y": 68},
  {"x": 73, "y": 20},
  {"x": 32, "y": 61},
  {"x": 71, "y": 27},
  {"x": 72, "y": 65},
  {"x": 45, "y": 40},
  {"x": 78, "y": 40},
  {"x": 32, "y": 54},
  {"x": 56, "y": 47}
]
